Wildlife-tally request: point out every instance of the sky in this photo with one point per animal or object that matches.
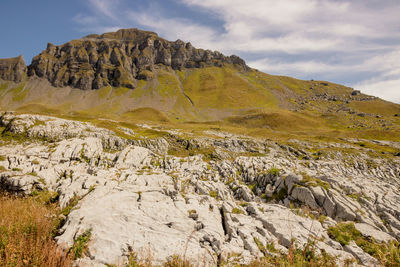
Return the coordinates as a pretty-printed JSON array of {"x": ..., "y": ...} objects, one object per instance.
[{"x": 351, "y": 42}]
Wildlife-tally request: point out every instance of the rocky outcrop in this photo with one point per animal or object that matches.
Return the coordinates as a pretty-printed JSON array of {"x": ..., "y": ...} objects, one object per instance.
[
  {"x": 13, "y": 69},
  {"x": 119, "y": 59},
  {"x": 135, "y": 198}
]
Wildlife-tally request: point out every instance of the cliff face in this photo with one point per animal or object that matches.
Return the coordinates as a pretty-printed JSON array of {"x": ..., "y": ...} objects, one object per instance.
[
  {"x": 12, "y": 69},
  {"x": 119, "y": 59}
]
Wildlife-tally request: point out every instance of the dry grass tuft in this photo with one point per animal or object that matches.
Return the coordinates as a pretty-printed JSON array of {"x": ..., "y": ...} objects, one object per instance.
[{"x": 26, "y": 230}]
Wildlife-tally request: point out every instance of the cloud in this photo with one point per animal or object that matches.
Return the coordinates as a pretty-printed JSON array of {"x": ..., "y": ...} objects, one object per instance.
[
  {"x": 385, "y": 89},
  {"x": 106, "y": 8},
  {"x": 354, "y": 42}
]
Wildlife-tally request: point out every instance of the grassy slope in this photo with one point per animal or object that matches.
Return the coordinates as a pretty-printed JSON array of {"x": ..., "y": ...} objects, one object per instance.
[{"x": 251, "y": 102}]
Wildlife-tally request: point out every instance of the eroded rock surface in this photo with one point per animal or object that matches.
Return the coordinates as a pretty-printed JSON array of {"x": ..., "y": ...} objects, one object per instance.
[
  {"x": 134, "y": 197},
  {"x": 119, "y": 59},
  {"x": 13, "y": 69}
]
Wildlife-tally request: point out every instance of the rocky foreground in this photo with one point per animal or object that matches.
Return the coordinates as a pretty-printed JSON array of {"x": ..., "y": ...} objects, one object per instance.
[{"x": 231, "y": 197}]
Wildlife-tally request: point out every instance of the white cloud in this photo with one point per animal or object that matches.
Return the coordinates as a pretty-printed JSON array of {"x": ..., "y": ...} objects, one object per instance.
[
  {"x": 386, "y": 89},
  {"x": 330, "y": 38},
  {"x": 105, "y": 7}
]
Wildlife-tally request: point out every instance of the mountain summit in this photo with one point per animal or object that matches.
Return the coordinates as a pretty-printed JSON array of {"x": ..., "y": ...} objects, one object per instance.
[
  {"x": 139, "y": 76},
  {"x": 119, "y": 59},
  {"x": 137, "y": 151}
]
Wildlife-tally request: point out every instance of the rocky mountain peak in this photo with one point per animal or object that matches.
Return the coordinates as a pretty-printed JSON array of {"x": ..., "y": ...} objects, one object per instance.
[
  {"x": 119, "y": 59},
  {"x": 12, "y": 69},
  {"x": 133, "y": 34}
]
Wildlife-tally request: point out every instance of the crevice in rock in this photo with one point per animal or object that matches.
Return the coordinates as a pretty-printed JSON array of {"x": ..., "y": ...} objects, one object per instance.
[{"x": 221, "y": 211}]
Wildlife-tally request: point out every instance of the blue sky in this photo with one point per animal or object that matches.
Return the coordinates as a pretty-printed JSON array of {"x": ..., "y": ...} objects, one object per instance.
[{"x": 352, "y": 42}]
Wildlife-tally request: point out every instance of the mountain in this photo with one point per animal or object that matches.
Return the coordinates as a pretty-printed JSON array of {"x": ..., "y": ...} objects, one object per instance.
[
  {"x": 124, "y": 149},
  {"x": 136, "y": 75},
  {"x": 119, "y": 59}
]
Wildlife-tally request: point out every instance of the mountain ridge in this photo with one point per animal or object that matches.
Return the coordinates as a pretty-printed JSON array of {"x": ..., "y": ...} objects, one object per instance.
[
  {"x": 140, "y": 75},
  {"x": 117, "y": 59}
]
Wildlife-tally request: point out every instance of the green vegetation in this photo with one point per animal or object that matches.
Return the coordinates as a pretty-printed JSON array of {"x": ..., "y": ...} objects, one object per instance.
[
  {"x": 280, "y": 195},
  {"x": 388, "y": 254},
  {"x": 251, "y": 103},
  {"x": 145, "y": 114},
  {"x": 237, "y": 211},
  {"x": 313, "y": 182},
  {"x": 274, "y": 171},
  {"x": 19, "y": 93},
  {"x": 296, "y": 256},
  {"x": 80, "y": 245},
  {"x": 213, "y": 194},
  {"x": 45, "y": 197},
  {"x": 220, "y": 88},
  {"x": 71, "y": 205}
]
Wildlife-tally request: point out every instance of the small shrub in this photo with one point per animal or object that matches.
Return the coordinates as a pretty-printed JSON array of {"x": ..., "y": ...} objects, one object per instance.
[
  {"x": 213, "y": 194},
  {"x": 274, "y": 171},
  {"x": 80, "y": 245}
]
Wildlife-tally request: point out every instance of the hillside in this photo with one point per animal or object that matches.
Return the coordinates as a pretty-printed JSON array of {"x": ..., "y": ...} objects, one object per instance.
[
  {"x": 125, "y": 149},
  {"x": 136, "y": 75}
]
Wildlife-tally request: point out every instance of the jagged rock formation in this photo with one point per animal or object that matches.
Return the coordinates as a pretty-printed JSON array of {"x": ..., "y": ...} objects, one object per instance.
[
  {"x": 119, "y": 59},
  {"x": 136, "y": 198},
  {"x": 13, "y": 69}
]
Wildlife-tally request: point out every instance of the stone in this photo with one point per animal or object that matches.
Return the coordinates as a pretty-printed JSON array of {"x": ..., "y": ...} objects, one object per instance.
[
  {"x": 304, "y": 195},
  {"x": 370, "y": 231},
  {"x": 100, "y": 60},
  {"x": 363, "y": 257},
  {"x": 13, "y": 69},
  {"x": 137, "y": 198}
]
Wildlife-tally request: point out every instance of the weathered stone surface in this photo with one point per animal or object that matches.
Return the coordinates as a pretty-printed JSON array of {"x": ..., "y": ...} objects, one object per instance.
[
  {"x": 119, "y": 59},
  {"x": 370, "y": 231},
  {"x": 363, "y": 257},
  {"x": 13, "y": 69},
  {"x": 137, "y": 198}
]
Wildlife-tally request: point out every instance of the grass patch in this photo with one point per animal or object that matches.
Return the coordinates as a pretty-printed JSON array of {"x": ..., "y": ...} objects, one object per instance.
[
  {"x": 237, "y": 211},
  {"x": 26, "y": 230},
  {"x": 80, "y": 245},
  {"x": 388, "y": 254},
  {"x": 213, "y": 194},
  {"x": 71, "y": 204},
  {"x": 296, "y": 256},
  {"x": 314, "y": 182},
  {"x": 145, "y": 114},
  {"x": 274, "y": 171},
  {"x": 19, "y": 93}
]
